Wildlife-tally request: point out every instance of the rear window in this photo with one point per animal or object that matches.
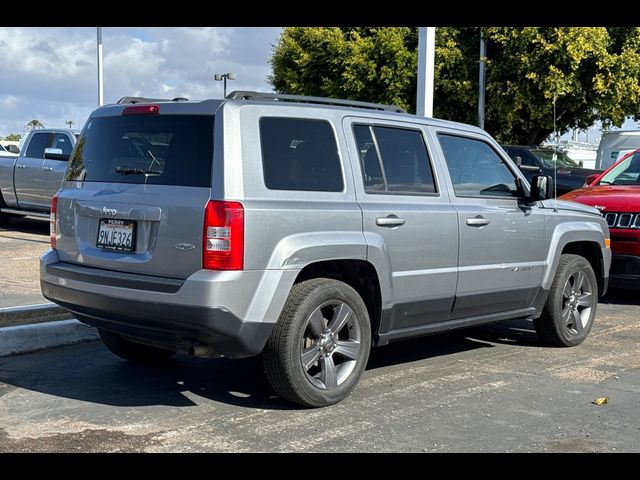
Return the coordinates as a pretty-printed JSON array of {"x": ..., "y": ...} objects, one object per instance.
[
  {"x": 300, "y": 154},
  {"x": 150, "y": 149}
]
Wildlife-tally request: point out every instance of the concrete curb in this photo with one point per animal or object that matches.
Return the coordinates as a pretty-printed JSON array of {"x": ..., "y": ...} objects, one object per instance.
[
  {"x": 27, "y": 314},
  {"x": 29, "y": 338}
]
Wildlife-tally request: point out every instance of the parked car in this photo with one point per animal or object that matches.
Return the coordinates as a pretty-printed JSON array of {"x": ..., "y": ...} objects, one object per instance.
[
  {"x": 5, "y": 152},
  {"x": 616, "y": 192},
  {"x": 614, "y": 145},
  {"x": 29, "y": 180},
  {"x": 307, "y": 230},
  {"x": 537, "y": 160}
]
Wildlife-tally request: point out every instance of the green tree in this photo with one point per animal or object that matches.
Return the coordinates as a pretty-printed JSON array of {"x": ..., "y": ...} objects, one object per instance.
[
  {"x": 13, "y": 137},
  {"x": 592, "y": 72},
  {"x": 33, "y": 124}
]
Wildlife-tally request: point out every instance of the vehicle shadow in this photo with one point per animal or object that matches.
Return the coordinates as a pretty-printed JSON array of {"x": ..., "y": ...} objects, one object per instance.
[
  {"x": 26, "y": 225},
  {"x": 617, "y": 296},
  {"x": 88, "y": 372}
]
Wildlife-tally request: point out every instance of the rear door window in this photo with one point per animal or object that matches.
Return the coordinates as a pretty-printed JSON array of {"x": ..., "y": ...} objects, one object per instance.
[
  {"x": 150, "y": 149},
  {"x": 300, "y": 154},
  {"x": 38, "y": 143},
  {"x": 405, "y": 167}
]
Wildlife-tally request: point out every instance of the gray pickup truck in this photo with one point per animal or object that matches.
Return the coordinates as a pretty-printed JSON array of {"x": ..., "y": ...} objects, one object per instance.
[{"x": 28, "y": 181}]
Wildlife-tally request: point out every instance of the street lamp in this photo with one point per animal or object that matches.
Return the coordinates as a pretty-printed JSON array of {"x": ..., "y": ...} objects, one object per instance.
[{"x": 225, "y": 77}]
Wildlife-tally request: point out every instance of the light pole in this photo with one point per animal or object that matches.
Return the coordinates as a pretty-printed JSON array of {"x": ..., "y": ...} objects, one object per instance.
[
  {"x": 100, "y": 78},
  {"x": 426, "y": 56},
  {"x": 225, "y": 77}
]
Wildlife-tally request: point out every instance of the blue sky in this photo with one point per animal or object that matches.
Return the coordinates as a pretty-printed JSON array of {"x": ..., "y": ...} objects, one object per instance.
[{"x": 50, "y": 73}]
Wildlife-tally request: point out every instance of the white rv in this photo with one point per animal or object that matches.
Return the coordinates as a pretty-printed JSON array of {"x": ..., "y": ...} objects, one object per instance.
[{"x": 614, "y": 145}]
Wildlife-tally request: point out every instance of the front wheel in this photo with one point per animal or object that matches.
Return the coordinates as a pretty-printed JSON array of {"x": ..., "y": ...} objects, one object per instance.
[
  {"x": 568, "y": 315},
  {"x": 320, "y": 345}
]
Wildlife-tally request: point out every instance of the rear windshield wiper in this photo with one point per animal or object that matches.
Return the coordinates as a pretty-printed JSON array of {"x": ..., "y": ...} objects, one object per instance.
[{"x": 136, "y": 171}]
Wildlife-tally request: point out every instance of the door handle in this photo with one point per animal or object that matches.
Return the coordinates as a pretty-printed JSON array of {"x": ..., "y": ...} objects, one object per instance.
[
  {"x": 390, "y": 221},
  {"x": 478, "y": 221},
  {"x": 21, "y": 166},
  {"x": 48, "y": 169}
]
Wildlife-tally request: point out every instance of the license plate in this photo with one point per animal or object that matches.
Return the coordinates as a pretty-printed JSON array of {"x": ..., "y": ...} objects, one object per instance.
[{"x": 116, "y": 235}]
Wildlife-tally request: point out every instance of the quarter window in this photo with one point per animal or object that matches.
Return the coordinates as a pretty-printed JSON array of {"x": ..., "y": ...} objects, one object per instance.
[
  {"x": 300, "y": 154},
  {"x": 476, "y": 169},
  {"x": 405, "y": 165},
  {"x": 61, "y": 141}
]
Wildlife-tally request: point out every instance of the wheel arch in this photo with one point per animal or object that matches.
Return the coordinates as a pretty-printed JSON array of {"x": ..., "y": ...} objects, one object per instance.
[{"x": 361, "y": 275}]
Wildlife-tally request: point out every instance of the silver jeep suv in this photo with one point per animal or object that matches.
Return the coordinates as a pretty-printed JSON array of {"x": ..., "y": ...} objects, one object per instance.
[{"x": 307, "y": 230}]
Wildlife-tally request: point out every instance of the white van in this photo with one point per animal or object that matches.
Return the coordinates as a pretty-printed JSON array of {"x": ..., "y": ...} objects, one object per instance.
[{"x": 615, "y": 145}]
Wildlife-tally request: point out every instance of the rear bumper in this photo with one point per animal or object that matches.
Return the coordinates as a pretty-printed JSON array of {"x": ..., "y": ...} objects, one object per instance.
[
  {"x": 625, "y": 272},
  {"x": 179, "y": 327},
  {"x": 217, "y": 313}
]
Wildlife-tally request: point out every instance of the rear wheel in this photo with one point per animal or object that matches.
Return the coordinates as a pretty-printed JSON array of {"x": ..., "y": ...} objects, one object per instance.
[
  {"x": 132, "y": 351},
  {"x": 318, "y": 349},
  {"x": 568, "y": 315}
]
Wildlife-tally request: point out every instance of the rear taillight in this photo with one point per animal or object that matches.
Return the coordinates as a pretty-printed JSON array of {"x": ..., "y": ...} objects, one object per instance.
[
  {"x": 53, "y": 219},
  {"x": 223, "y": 242}
]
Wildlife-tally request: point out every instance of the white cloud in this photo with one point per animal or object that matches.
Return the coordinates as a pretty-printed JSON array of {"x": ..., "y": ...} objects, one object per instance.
[{"x": 50, "y": 74}]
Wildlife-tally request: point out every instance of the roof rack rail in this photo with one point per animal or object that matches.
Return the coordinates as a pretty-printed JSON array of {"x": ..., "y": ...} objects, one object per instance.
[
  {"x": 248, "y": 95},
  {"x": 130, "y": 100}
]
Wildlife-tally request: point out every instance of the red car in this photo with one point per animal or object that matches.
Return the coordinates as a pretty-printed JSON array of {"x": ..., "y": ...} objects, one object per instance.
[{"x": 616, "y": 193}]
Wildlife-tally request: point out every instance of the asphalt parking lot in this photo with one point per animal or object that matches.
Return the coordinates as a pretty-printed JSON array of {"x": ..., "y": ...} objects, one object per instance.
[
  {"x": 22, "y": 242},
  {"x": 490, "y": 389}
]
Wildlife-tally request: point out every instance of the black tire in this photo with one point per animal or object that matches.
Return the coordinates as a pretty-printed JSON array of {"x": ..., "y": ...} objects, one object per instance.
[
  {"x": 132, "y": 351},
  {"x": 333, "y": 375},
  {"x": 568, "y": 315}
]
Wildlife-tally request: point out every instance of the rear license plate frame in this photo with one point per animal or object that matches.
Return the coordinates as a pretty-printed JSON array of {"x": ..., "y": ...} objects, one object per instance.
[{"x": 121, "y": 223}]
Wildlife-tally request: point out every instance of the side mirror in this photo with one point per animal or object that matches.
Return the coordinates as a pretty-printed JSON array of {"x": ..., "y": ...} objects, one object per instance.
[
  {"x": 55, "y": 154},
  {"x": 541, "y": 188},
  {"x": 12, "y": 148},
  {"x": 518, "y": 160},
  {"x": 590, "y": 179}
]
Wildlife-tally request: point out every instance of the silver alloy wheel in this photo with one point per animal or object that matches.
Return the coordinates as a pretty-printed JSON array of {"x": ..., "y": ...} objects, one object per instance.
[
  {"x": 331, "y": 344},
  {"x": 577, "y": 301}
]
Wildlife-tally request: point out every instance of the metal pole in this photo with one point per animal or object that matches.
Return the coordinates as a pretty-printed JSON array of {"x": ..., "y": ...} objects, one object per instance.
[
  {"x": 426, "y": 62},
  {"x": 100, "y": 78},
  {"x": 482, "y": 79},
  {"x": 224, "y": 77}
]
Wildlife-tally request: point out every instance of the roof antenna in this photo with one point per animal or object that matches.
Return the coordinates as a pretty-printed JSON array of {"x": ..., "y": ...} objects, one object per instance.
[{"x": 555, "y": 157}]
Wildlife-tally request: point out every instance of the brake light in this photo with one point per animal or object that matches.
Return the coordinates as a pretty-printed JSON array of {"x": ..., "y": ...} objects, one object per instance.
[
  {"x": 223, "y": 239},
  {"x": 53, "y": 219},
  {"x": 141, "y": 110}
]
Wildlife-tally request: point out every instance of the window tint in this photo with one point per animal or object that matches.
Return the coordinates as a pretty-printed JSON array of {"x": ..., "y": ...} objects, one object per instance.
[
  {"x": 627, "y": 172},
  {"x": 527, "y": 158},
  {"x": 60, "y": 140},
  {"x": 300, "y": 154},
  {"x": 151, "y": 149},
  {"x": 38, "y": 143},
  {"x": 476, "y": 169},
  {"x": 405, "y": 161}
]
